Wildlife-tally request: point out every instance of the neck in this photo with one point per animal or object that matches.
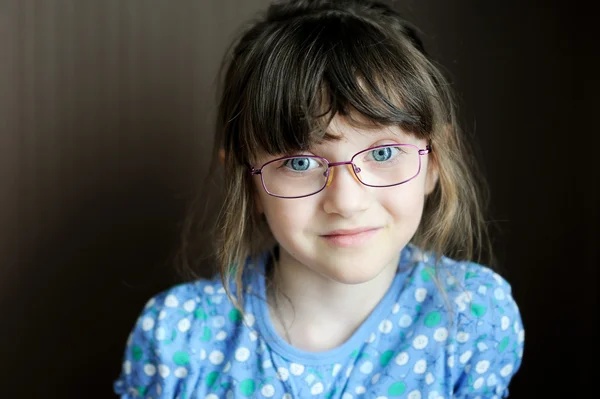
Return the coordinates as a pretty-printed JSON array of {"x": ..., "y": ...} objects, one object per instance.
[{"x": 317, "y": 313}]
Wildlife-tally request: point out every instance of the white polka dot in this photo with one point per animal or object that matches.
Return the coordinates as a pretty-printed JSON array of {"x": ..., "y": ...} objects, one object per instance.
[
  {"x": 202, "y": 354},
  {"x": 130, "y": 339},
  {"x": 149, "y": 370},
  {"x": 317, "y": 389},
  {"x": 181, "y": 372},
  {"x": 498, "y": 278},
  {"x": 227, "y": 367},
  {"x": 482, "y": 366},
  {"x": 287, "y": 396},
  {"x": 375, "y": 378},
  {"x": 147, "y": 324},
  {"x": 253, "y": 335},
  {"x": 441, "y": 334},
  {"x": 499, "y": 294},
  {"x": 505, "y": 323},
  {"x": 385, "y": 326},
  {"x": 211, "y": 396},
  {"x": 451, "y": 361},
  {"x": 506, "y": 370},
  {"x": 283, "y": 374},
  {"x": 366, "y": 368},
  {"x": 336, "y": 369},
  {"x": 465, "y": 357},
  {"x": 420, "y": 294},
  {"x": 218, "y": 321},
  {"x": 371, "y": 338},
  {"x": 347, "y": 396},
  {"x": 360, "y": 390},
  {"x": 160, "y": 334},
  {"x": 162, "y": 314},
  {"x": 521, "y": 336},
  {"x": 242, "y": 354},
  {"x": 462, "y": 299},
  {"x": 189, "y": 306},
  {"x": 217, "y": 299},
  {"x": 150, "y": 303},
  {"x": 516, "y": 327},
  {"x": 184, "y": 325},
  {"x": 414, "y": 395},
  {"x": 478, "y": 383},
  {"x": 492, "y": 380},
  {"x": 462, "y": 337},
  {"x": 296, "y": 369},
  {"x": 349, "y": 371},
  {"x": 482, "y": 289},
  {"x": 216, "y": 357},
  {"x": 267, "y": 364},
  {"x": 396, "y": 308},
  {"x": 268, "y": 390},
  {"x": 127, "y": 367},
  {"x": 209, "y": 290},
  {"x": 221, "y": 335},
  {"x": 450, "y": 348},
  {"x": 429, "y": 379},
  {"x": 381, "y": 397},
  {"x": 164, "y": 371},
  {"x": 171, "y": 301},
  {"x": 420, "y": 366},
  {"x": 405, "y": 321},
  {"x": 249, "y": 319},
  {"x": 434, "y": 395},
  {"x": 420, "y": 341},
  {"x": 402, "y": 358}
]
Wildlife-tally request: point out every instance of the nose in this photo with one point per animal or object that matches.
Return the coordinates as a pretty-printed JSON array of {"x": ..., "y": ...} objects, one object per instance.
[{"x": 344, "y": 195}]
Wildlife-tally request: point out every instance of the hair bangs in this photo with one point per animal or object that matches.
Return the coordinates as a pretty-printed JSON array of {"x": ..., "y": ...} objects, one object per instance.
[{"x": 314, "y": 68}]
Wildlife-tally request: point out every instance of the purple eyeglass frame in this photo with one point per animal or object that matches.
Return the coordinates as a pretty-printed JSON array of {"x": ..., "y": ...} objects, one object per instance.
[{"x": 355, "y": 169}]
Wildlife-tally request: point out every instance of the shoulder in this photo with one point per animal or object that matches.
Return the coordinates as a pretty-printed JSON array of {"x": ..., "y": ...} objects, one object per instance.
[
  {"x": 171, "y": 335},
  {"x": 486, "y": 345}
]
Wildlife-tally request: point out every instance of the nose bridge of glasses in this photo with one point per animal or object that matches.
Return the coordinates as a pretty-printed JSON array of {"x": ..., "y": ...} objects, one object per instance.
[{"x": 351, "y": 168}]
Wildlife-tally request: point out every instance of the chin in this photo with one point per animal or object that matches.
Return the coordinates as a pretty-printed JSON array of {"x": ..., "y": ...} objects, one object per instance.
[{"x": 352, "y": 273}]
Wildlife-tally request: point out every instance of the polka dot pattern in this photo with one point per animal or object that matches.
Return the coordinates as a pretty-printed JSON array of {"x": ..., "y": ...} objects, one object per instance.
[{"x": 192, "y": 336}]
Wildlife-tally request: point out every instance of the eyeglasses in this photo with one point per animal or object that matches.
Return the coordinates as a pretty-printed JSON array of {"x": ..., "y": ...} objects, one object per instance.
[{"x": 305, "y": 175}]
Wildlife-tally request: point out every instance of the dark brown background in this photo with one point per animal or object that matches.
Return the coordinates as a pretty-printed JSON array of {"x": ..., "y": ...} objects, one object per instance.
[{"x": 106, "y": 110}]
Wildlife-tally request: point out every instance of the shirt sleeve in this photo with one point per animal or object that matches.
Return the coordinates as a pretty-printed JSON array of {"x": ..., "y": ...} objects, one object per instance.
[
  {"x": 156, "y": 361},
  {"x": 490, "y": 336}
]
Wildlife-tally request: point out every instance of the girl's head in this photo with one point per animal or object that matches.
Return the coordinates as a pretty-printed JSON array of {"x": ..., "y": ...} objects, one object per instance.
[{"x": 329, "y": 79}]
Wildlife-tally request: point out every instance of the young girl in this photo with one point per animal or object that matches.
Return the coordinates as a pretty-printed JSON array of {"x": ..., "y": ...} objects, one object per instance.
[{"x": 349, "y": 235}]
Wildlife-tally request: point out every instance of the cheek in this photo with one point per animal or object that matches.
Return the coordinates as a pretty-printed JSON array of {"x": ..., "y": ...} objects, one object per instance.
[
  {"x": 405, "y": 202},
  {"x": 287, "y": 217}
]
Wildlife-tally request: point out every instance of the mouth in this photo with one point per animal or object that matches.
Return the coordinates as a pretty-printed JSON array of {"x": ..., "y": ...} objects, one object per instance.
[{"x": 350, "y": 237}]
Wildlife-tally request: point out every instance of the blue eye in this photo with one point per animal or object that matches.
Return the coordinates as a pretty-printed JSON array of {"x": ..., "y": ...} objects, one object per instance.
[
  {"x": 298, "y": 164},
  {"x": 382, "y": 154}
]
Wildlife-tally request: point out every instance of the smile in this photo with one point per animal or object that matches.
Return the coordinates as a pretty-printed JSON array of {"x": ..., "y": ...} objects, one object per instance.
[{"x": 350, "y": 238}]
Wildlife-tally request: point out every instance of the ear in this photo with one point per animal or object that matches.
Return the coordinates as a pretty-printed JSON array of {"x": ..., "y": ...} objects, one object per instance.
[
  {"x": 222, "y": 156},
  {"x": 433, "y": 176}
]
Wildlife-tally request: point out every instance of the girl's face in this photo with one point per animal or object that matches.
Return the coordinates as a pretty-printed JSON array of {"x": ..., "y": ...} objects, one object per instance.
[{"x": 316, "y": 232}]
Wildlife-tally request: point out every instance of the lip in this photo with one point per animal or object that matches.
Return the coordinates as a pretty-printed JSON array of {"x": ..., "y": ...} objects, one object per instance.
[
  {"x": 347, "y": 238},
  {"x": 345, "y": 232}
]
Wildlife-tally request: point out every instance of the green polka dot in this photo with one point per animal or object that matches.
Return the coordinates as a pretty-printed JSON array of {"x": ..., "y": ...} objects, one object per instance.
[
  {"x": 235, "y": 315},
  {"x": 433, "y": 319},
  {"x": 137, "y": 352},
  {"x": 426, "y": 274},
  {"x": 212, "y": 378},
  {"x": 385, "y": 358},
  {"x": 478, "y": 310},
  {"x": 247, "y": 387},
  {"x": 142, "y": 390},
  {"x": 200, "y": 314},
  {"x": 397, "y": 389},
  {"x": 206, "y": 334},
  {"x": 354, "y": 353},
  {"x": 181, "y": 358},
  {"x": 470, "y": 275},
  {"x": 503, "y": 344}
]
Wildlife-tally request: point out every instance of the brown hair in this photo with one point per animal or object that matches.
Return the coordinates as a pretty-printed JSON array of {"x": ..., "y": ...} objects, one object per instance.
[{"x": 290, "y": 73}]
